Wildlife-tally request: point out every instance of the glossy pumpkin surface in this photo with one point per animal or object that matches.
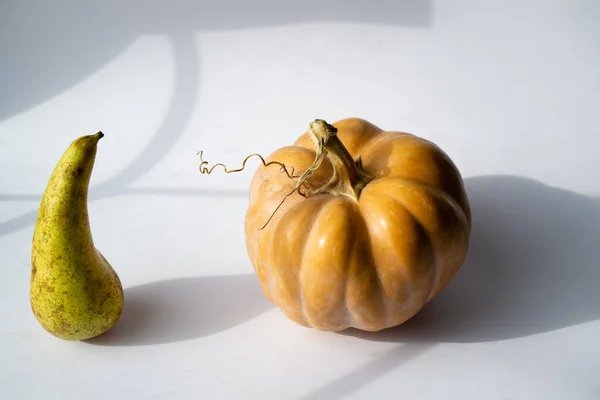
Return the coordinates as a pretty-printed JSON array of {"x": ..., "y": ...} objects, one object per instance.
[{"x": 370, "y": 261}]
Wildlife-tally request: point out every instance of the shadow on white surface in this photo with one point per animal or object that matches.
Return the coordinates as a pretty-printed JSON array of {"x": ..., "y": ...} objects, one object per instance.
[
  {"x": 187, "y": 308},
  {"x": 180, "y": 111},
  {"x": 350, "y": 383},
  {"x": 28, "y": 219},
  {"x": 42, "y": 65},
  {"x": 533, "y": 267},
  {"x": 48, "y": 47}
]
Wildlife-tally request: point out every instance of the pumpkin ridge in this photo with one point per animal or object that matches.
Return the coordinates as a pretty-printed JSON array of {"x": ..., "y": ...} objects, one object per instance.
[
  {"x": 435, "y": 191},
  {"x": 372, "y": 265},
  {"x": 304, "y": 237},
  {"x": 380, "y": 139},
  {"x": 405, "y": 271},
  {"x": 442, "y": 196},
  {"x": 421, "y": 226},
  {"x": 350, "y": 319},
  {"x": 305, "y": 240},
  {"x": 386, "y": 136},
  {"x": 355, "y": 262},
  {"x": 370, "y": 156},
  {"x": 448, "y": 174}
]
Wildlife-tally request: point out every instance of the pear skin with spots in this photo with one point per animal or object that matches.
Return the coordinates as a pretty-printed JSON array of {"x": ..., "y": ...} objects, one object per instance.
[{"x": 75, "y": 293}]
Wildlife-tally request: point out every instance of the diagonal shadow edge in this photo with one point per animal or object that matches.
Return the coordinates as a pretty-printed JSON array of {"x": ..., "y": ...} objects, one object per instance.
[{"x": 183, "y": 101}]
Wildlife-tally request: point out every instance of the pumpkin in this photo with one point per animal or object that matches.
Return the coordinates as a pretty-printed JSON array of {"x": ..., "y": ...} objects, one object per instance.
[{"x": 374, "y": 228}]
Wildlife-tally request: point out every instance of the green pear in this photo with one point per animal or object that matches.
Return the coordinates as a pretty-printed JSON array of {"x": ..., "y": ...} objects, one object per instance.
[{"x": 75, "y": 294}]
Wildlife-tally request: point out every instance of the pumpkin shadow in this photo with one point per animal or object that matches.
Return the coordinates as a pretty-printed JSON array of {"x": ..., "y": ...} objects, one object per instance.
[
  {"x": 532, "y": 267},
  {"x": 187, "y": 308}
]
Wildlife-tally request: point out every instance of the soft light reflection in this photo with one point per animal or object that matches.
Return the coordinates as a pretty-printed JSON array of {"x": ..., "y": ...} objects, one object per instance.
[{"x": 383, "y": 223}]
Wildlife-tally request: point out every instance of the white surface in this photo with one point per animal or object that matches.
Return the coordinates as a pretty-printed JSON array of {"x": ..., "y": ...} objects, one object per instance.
[{"x": 509, "y": 89}]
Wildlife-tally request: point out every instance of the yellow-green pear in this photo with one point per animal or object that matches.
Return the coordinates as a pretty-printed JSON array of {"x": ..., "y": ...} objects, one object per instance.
[{"x": 75, "y": 294}]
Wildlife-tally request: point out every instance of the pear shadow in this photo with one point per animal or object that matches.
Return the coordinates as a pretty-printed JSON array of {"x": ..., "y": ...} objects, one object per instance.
[
  {"x": 533, "y": 267},
  {"x": 182, "y": 309}
]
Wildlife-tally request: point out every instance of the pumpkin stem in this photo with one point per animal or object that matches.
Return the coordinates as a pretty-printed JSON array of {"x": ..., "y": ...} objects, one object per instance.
[{"x": 348, "y": 177}]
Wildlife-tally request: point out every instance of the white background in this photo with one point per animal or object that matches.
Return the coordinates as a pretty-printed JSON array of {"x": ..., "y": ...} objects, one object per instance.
[{"x": 509, "y": 89}]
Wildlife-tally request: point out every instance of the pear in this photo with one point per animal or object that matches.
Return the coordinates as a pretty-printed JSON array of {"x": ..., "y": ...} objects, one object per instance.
[{"x": 75, "y": 293}]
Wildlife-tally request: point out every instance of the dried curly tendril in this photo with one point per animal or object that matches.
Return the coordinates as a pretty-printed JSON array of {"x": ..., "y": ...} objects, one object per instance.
[
  {"x": 348, "y": 177},
  {"x": 205, "y": 170}
]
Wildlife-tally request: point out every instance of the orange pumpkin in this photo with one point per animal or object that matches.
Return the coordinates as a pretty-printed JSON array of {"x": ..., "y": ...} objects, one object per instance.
[{"x": 379, "y": 227}]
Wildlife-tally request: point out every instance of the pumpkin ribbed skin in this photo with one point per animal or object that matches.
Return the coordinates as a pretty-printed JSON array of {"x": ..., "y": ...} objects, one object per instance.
[{"x": 333, "y": 262}]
